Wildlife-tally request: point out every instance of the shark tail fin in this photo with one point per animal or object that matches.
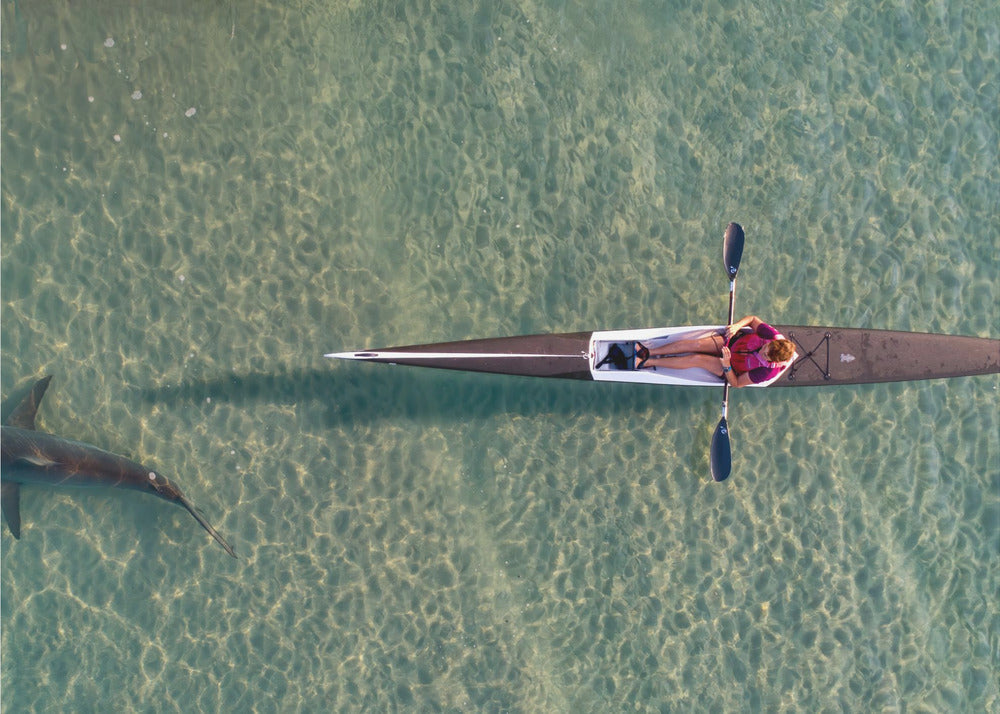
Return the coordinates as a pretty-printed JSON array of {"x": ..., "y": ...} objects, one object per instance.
[
  {"x": 23, "y": 415},
  {"x": 10, "y": 498}
]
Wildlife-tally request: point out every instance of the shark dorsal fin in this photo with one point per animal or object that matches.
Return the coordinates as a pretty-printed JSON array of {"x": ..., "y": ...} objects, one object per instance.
[{"x": 23, "y": 416}]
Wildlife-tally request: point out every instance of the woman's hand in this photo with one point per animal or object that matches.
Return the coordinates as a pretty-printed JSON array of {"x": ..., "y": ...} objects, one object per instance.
[
  {"x": 751, "y": 321},
  {"x": 726, "y": 356},
  {"x": 727, "y": 369}
]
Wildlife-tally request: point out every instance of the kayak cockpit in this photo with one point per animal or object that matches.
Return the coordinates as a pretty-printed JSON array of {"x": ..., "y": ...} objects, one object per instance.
[{"x": 612, "y": 356}]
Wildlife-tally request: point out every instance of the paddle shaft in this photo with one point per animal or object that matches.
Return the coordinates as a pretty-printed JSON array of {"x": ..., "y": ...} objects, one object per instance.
[
  {"x": 721, "y": 452},
  {"x": 721, "y": 458},
  {"x": 732, "y": 254},
  {"x": 732, "y": 314}
]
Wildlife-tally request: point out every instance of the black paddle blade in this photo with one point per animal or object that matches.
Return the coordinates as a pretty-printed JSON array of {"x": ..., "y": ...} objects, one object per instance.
[
  {"x": 732, "y": 249},
  {"x": 722, "y": 456}
]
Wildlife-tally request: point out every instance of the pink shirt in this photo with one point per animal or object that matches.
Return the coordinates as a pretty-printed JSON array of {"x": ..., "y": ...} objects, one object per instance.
[{"x": 745, "y": 358}]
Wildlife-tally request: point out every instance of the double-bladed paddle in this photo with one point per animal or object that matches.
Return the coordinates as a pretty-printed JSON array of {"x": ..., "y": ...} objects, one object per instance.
[{"x": 721, "y": 454}]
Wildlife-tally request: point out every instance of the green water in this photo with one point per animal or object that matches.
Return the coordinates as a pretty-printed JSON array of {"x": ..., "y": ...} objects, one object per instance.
[{"x": 366, "y": 174}]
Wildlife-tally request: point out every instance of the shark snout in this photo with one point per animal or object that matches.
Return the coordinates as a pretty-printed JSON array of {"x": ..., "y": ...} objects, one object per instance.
[{"x": 205, "y": 524}]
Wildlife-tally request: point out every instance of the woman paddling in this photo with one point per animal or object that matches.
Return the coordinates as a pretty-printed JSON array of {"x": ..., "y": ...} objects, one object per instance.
[{"x": 742, "y": 356}]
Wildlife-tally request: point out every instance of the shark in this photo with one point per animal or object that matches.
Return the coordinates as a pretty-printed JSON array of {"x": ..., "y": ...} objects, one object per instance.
[{"x": 32, "y": 457}]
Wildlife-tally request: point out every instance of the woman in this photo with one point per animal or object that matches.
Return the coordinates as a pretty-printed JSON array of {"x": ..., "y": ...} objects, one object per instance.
[{"x": 741, "y": 358}]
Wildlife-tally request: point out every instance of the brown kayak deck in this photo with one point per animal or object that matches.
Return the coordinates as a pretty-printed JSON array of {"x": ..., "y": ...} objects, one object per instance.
[{"x": 843, "y": 355}]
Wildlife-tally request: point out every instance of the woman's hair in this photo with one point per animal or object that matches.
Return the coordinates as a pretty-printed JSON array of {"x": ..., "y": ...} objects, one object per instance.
[{"x": 780, "y": 350}]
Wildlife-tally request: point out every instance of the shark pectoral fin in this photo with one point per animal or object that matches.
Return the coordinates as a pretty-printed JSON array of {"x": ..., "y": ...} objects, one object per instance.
[{"x": 10, "y": 498}]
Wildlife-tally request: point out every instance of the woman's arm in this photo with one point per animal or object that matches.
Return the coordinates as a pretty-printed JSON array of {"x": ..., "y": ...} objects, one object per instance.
[
  {"x": 751, "y": 321},
  {"x": 736, "y": 380}
]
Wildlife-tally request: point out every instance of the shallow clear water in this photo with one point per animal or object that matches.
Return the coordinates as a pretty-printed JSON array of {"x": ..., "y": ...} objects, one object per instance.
[{"x": 200, "y": 199}]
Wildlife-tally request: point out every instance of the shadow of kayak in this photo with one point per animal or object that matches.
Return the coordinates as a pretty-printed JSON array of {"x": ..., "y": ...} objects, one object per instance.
[{"x": 371, "y": 395}]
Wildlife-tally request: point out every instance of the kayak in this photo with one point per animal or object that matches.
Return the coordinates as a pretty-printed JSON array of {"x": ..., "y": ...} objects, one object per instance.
[{"x": 824, "y": 356}]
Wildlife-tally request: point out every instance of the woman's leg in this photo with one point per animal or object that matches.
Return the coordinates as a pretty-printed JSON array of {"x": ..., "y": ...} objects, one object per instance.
[
  {"x": 711, "y": 363},
  {"x": 711, "y": 345}
]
